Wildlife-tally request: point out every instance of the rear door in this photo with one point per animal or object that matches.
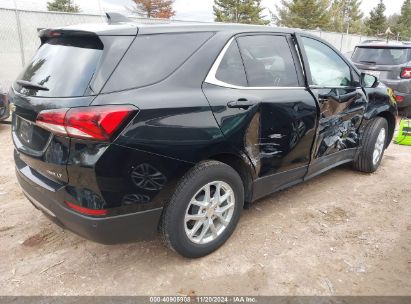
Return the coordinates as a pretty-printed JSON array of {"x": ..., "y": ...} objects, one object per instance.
[
  {"x": 342, "y": 103},
  {"x": 257, "y": 93}
]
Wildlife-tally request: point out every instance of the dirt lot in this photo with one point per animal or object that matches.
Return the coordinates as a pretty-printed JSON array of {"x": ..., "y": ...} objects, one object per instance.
[{"x": 343, "y": 233}]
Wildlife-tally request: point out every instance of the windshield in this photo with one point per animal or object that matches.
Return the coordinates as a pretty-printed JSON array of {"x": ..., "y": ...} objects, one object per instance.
[
  {"x": 380, "y": 56},
  {"x": 62, "y": 67}
]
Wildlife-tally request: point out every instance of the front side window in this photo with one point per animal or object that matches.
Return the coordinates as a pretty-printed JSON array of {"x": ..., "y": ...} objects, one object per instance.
[
  {"x": 268, "y": 61},
  {"x": 327, "y": 67}
]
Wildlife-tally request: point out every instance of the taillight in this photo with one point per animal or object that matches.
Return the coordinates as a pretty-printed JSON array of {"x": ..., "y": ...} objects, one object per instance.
[
  {"x": 406, "y": 73},
  {"x": 96, "y": 123},
  {"x": 87, "y": 211},
  {"x": 399, "y": 98},
  {"x": 53, "y": 120}
]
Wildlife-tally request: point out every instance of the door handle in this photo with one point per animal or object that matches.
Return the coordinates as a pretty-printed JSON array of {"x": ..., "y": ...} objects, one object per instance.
[
  {"x": 241, "y": 103},
  {"x": 326, "y": 97}
]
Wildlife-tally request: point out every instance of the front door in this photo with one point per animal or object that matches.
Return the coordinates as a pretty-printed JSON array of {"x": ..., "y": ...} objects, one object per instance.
[
  {"x": 341, "y": 101},
  {"x": 258, "y": 97}
]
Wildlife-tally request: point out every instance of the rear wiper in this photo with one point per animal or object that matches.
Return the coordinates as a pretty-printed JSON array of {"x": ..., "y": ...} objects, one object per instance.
[
  {"x": 30, "y": 85},
  {"x": 370, "y": 62}
]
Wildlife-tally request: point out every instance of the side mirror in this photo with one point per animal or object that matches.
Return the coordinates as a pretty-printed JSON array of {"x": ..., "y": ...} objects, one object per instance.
[{"x": 369, "y": 81}]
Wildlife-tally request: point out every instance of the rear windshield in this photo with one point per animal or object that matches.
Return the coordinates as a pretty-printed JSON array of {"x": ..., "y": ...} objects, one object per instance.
[
  {"x": 380, "y": 56},
  {"x": 64, "y": 67},
  {"x": 152, "y": 58}
]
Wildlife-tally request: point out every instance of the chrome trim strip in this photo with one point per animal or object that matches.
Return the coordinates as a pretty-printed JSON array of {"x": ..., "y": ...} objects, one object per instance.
[
  {"x": 211, "y": 76},
  {"x": 38, "y": 204},
  {"x": 213, "y": 71},
  {"x": 331, "y": 87}
]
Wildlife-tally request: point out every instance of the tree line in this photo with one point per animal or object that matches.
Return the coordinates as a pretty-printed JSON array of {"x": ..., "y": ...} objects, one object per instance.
[
  {"x": 345, "y": 16},
  {"x": 328, "y": 15}
]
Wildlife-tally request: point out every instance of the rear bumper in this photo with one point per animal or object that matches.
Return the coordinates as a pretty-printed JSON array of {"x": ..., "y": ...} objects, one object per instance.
[
  {"x": 406, "y": 102},
  {"x": 105, "y": 230},
  {"x": 400, "y": 88}
]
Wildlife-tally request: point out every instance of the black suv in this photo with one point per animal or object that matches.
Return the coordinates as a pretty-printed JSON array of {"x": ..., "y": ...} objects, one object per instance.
[
  {"x": 391, "y": 64},
  {"x": 123, "y": 130}
]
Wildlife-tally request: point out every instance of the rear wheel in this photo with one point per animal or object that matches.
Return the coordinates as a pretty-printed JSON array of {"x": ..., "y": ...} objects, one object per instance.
[
  {"x": 204, "y": 210},
  {"x": 373, "y": 146}
]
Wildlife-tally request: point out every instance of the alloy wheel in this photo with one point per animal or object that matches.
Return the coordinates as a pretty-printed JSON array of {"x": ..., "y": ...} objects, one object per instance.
[
  {"x": 209, "y": 212},
  {"x": 379, "y": 147}
]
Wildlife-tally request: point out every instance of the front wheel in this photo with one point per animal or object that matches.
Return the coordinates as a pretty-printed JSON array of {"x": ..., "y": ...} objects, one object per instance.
[
  {"x": 373, "y": 146},
  {"x": 204, "y": 210}
]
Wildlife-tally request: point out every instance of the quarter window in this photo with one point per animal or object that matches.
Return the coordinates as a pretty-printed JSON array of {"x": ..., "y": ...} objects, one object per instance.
[
  {"x": 268, "y": 61},
  {"x": 326, "y": 66},
  {"x": 231, "y": 69},
  {"x": 153, "y": 58}
]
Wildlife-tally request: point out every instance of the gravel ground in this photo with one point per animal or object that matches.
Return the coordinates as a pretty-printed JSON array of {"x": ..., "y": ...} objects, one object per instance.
[{"x": 342, "y": 233}]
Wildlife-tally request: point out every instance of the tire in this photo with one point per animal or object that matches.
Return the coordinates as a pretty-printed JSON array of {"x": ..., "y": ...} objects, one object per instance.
[
  {"x": 179, "y": 234},
  {"x": 366, "y": 160}
]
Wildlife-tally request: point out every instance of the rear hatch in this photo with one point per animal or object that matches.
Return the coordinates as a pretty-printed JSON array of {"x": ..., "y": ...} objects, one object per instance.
[
  {"x": 384, "y": 62},
  {"x": 68, "y": 70}
]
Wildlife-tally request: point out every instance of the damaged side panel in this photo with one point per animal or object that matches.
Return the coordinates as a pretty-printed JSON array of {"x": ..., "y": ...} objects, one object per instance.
[
  {"x": 341, "y": 112},
  {"x": 381, "y": 103},
  {"x": 276, "y": 132}
]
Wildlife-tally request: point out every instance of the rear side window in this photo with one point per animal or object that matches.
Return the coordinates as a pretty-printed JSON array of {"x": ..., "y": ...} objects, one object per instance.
[
  {"x": 64, "y": 67},
  {"x": 231, "y": 69},
  {"x": 152, "y": 58},
  {"x": 380, "y": 56},
  {"x": 268, "y": 61}
]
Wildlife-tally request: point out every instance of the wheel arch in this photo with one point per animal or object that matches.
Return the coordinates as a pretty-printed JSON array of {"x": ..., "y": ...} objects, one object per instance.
[
  {"x": 243, "y": 168},
  {"x": 385, "y": 112},
  {"x": 390, "y": 118}
]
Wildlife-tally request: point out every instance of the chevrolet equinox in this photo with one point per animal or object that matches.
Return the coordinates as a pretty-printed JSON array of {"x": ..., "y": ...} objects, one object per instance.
[{"x": 123, "y": 130}]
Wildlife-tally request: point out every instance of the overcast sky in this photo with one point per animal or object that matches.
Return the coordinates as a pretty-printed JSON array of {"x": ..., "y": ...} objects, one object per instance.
[{"x": 199, "y": 10}]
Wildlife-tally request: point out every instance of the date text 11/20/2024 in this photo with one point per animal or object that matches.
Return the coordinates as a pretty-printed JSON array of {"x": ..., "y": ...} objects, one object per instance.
[{"x": 203, "y": 299}]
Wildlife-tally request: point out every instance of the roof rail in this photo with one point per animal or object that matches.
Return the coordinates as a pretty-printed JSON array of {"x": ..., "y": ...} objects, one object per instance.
[{"x": 116, "y": 18}]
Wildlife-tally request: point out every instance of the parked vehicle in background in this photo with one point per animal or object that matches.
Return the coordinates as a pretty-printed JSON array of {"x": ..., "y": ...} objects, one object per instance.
[
  {"x": 391, "y": 63},
  {"x": 348, "y": 55},
  {"x": 4, "y": 105},
  {"x": 372, "y": 41},
  {"x": 122, "y": 130}
]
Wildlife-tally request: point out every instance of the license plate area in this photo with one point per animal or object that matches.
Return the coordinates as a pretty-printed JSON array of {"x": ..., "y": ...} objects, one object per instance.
[
  {"x": 30, "y": 138},
  {"x": 25, "y": 131}
]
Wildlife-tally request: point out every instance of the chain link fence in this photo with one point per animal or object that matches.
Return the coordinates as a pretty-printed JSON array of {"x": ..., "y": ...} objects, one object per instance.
[{"x": 19, "y": 40}]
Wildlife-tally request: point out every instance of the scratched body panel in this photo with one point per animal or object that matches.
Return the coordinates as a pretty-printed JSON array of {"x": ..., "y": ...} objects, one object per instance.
[
  {"x": 341, "y": 112},
  {"x": 276, "y": 133}
]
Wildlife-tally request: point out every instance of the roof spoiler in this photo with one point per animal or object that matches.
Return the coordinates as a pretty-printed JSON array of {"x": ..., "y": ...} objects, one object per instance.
[
  {"x": 113, "y": 18},
  {"x": 46, "y": 34}
]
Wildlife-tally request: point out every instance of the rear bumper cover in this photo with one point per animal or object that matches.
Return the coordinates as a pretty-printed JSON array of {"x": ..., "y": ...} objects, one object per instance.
[
  {"x": 400, "y": 88},
  {"x": 406, "y": 102},
  {"x": 105, "y": 230}
]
